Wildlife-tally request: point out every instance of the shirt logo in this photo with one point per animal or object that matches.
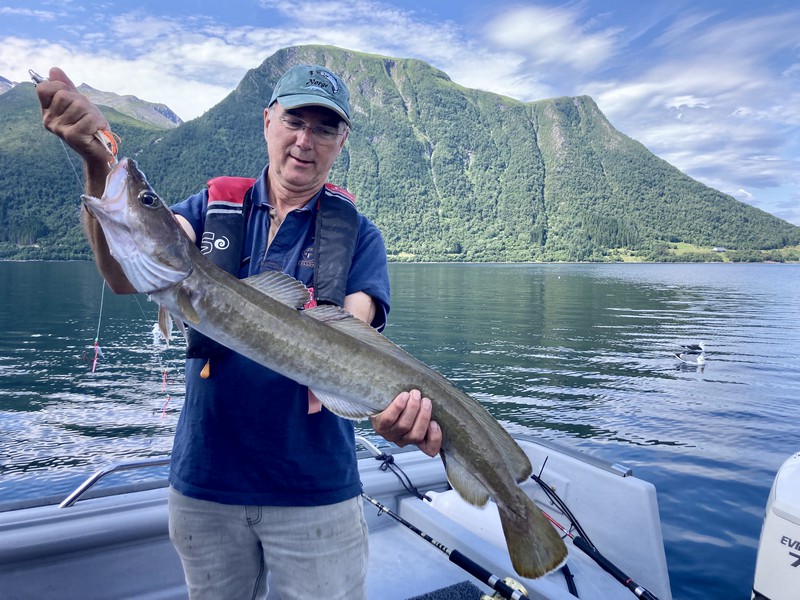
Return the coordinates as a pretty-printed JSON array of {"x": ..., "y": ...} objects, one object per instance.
[
  {"x": 307, "y": 258},
  {"x": 209, "y": 243}
]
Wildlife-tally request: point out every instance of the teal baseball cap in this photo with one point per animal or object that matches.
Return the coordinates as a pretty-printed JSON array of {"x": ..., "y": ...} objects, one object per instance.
[{"x": 312, "y": 85}]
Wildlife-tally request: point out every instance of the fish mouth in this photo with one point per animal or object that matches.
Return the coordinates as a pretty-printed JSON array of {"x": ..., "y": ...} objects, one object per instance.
[
  {"x": 115, "y": 191},
  {"x": 90, "y": 203}
]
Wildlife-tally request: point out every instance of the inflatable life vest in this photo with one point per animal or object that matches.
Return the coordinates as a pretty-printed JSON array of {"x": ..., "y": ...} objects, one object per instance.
[{"x": 336, "y": 234}]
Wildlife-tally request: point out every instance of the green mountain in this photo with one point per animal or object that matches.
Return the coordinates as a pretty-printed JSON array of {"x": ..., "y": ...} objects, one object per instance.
[{"x": 446, "y": 172}]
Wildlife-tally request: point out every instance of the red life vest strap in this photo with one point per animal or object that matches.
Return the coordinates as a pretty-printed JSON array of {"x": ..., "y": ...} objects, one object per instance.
[
  {"x": 335, "y": 190},
  {"x": 229, "y": 189}
]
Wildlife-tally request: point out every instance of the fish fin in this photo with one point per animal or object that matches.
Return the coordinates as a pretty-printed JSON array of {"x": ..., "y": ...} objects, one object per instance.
[
  {"x": 340, "y": 319},
  {"x": 165, "y": 323},
  {"x": 330, "y": 314},
  {"x": 281, "y": 287},
  {"x": 343, "y": 408},
  {"x": 185, "y": 305},
  {"x": 515, "y": 458},
  {"x": 463, "y": 481},
  {"x": 180, "y": 325},
  {"x": 534, "y": 545}
]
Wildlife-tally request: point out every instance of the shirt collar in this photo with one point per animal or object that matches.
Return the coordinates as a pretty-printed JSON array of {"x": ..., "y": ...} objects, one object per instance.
[{"x": 261, "y": 196}]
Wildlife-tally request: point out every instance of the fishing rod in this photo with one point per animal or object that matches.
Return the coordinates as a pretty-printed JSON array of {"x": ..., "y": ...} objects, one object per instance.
[
  {"x": 609, "y": 567},
  {"x": 456, "y": 557},
  {"x": 581, "y": 541}
]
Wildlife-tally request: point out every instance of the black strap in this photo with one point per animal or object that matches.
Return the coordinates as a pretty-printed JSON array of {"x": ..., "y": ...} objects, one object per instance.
[
  {"x": 222, "y": 240},
  {"x": 334, "y": 244}
]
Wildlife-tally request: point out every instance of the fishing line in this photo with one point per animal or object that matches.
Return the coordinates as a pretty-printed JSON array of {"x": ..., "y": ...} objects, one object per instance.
[
  {"x": 110, "y": 142},
  {"x": 561, "y": 505},
  {"x": 97, "y": 350},
  {"x": 102, "y": 302},
  {"x": 161, "y": 364},
  {"x": 162, "y": 367},
  {"x": 69, "y": 160}
]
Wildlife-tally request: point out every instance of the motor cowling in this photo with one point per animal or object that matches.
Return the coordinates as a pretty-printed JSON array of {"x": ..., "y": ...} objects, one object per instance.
[{"x": 777, "y": 575}]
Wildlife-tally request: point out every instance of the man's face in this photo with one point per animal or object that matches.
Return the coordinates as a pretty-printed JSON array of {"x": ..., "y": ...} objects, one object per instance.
[{"x": 302, "y": 144}]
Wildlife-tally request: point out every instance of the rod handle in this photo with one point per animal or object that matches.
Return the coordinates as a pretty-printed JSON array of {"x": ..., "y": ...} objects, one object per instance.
[{"x": 479, "y": 572}]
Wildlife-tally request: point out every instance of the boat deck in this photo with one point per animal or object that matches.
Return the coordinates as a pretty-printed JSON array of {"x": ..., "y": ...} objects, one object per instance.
[{"x": 117, "y": 545}]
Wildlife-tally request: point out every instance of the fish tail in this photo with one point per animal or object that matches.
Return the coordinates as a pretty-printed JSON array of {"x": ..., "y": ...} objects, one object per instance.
[{"x": 535, "y": 547}]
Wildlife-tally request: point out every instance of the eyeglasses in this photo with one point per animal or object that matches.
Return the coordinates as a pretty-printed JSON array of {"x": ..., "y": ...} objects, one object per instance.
[{"x": 322, "y": 133}]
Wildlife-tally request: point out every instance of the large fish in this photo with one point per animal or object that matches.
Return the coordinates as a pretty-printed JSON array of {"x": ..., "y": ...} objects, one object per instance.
[{"x": 353, "y": 370}]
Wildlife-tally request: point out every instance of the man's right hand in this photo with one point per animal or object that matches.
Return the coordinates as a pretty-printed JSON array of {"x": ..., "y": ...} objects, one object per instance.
[
  {"x": 72, "y": 117},
  {"x": 75, "y": 119}
]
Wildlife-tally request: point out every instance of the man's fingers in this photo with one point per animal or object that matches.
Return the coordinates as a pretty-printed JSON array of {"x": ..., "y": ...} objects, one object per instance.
[
  {"x": 407, "y": 420},
  {"x": 408, "y": 415},
  {"x": 419, "y": 427},
  {"x": 433, "y": 440},
  {"x": 395, "y": 409},
  {"x": 57, "y": 74}
]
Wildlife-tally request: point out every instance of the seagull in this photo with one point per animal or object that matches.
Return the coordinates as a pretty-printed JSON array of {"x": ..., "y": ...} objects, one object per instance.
[
  {"x": 694, "y": 348},
  {"x": 691, "y": 358}
]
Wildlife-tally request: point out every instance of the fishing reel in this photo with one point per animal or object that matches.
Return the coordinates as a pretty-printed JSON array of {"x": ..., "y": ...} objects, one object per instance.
[{"x": 510, "y": 582}]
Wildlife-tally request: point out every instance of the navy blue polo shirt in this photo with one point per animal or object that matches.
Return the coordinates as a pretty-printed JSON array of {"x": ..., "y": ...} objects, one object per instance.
[{"x": 244, "y": 435}]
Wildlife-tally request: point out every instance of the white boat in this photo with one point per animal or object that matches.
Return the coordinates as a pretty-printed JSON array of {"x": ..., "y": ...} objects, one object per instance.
[{"x": 115, "y": 543}]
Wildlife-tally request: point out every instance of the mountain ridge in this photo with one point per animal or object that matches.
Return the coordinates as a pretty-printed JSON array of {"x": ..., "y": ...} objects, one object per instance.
[
  {"x": 455, "y": 174},
  {"x": 151, "y": 113}
]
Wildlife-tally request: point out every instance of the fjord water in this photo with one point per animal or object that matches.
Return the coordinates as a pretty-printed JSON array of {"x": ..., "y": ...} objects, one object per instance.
[{"x": 579, "y": 354}]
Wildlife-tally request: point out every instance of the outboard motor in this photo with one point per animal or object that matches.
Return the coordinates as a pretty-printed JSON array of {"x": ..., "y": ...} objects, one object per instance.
[{"x": 777, "y": 574}]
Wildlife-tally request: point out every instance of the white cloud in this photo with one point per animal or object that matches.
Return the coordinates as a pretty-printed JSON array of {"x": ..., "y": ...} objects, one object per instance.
[
  {"x": 42, "y": 15},
  {"x": 554, "y": 36},
  {"x": 687, "y": 101},
  {"x": 144, "y": 77}
]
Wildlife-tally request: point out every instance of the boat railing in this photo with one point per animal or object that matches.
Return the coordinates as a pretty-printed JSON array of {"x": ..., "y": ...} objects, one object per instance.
[
  {"x": 615, "y": 468},
  {"x": 84, "y": 487},
  {"x": 113, "y": 468}
]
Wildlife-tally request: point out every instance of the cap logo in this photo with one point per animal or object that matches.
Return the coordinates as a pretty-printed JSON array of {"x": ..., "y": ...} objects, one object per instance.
[{"x": 314, "y": 81}]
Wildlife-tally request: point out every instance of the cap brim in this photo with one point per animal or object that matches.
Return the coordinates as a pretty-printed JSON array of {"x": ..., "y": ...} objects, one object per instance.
[{"x": 301, "y": 100}]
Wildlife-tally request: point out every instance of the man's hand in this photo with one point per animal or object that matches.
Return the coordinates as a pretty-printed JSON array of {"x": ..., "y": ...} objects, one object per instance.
[
  {"x": 407, "y": 420},
  {"x": 72, "y": 117}
]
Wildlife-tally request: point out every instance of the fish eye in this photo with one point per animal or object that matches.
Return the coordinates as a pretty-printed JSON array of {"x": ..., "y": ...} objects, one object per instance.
[{"x": 149, "y": 199}]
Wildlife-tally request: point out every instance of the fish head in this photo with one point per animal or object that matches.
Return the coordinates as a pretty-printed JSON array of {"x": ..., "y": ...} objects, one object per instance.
[{"x": 142, "y": 233}]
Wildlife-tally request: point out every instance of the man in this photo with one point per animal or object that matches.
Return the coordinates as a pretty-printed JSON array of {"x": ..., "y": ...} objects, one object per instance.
[{"x": 262, "y": 481}]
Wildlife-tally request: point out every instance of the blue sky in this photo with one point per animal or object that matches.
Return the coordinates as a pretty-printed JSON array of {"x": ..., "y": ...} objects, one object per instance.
[{"x": 713, "y": 87}]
